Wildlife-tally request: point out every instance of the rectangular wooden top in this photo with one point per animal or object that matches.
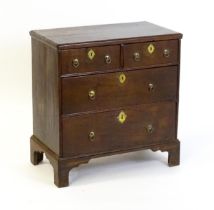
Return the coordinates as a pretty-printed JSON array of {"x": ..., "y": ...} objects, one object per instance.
[{"x": 63, "y": 38}]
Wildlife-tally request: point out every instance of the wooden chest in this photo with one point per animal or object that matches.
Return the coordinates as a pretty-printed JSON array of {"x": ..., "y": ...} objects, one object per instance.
[{"x": 104, "y": 90}]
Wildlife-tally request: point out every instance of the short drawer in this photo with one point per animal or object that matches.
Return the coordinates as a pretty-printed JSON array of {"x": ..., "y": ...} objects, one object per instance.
[
  {"x": 151, "y": 54},
  {"x": 116, "y": 130},
  {"x": 93, "y": 59},
  {"x": 115, "y": 90}
]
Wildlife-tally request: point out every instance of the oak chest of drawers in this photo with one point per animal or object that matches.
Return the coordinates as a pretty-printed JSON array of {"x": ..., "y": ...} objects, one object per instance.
[{"x": 104, "y": 90}]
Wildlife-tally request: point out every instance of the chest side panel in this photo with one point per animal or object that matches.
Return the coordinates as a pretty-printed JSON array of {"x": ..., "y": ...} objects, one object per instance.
[{"x": 45, "y": 92}]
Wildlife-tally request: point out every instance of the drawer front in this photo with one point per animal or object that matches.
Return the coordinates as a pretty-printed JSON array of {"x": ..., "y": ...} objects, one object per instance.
[
  {"x": 115, "y": 90},
  {"x": 93, "y": 59},
  {"x": 151, "y": 54},
  {"x": 116, "y": 130}
]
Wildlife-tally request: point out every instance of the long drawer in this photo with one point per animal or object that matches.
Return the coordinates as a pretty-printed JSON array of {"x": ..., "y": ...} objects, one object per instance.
[
  {"x": 115, "y": 90},
  {"x": 120, "y": 129}
]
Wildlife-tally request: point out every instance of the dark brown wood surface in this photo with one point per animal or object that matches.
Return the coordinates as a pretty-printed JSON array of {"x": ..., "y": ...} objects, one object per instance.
[
  {"x": 45, "y": 87},
  {"x": 111, "y": 94},
  {"x": 110, "y": 134},
  {"x": 86, "y": 64},
  {"x": 121, "y": 33},
  {"x": 155, "y": 59}
]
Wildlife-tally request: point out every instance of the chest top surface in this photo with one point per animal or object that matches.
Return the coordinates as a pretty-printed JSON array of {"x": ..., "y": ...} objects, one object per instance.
[{"x": 122, "y": 32}]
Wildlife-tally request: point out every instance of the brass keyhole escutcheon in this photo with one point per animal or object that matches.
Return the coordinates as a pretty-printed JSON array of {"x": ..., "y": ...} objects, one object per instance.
[
  {"x": 151, "y": 48},
  {"x": 122, "y": 78},
  {"x": 122, "y": 117},
  {"x": 91, "y": 54}
]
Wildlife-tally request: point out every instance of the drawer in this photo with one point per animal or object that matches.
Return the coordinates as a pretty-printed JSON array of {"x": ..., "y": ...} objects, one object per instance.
[
  {"x": 115, "y": 90},
  {"x": 93, "y": 59},
  {"x": 151, "y": 54},
  {"x": 117, "y": 130}
]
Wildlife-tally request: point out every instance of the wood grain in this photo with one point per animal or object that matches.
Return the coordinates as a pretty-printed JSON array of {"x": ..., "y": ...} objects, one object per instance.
[
  {"x": 65, "y": 38},
  {"x": 111, "y": 94},
  {"x": 155, "y": 59},
  {"x": 45, "y": 91},
  {"x": 110, "y": 134},
  {"x": 86, "y": 64}
]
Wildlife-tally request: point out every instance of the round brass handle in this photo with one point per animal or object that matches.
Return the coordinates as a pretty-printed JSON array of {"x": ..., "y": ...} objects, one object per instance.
[
  {"x": 136, "y": 56},
  {"x": 151, "y": 87},
  {"x": 149, "y": 128},
  {"x": 91, "y": 94},
  {"x": 108, "y": 59},
  {"x": 91, "y": 136},
  {"x": 75, "y": 63},
  {"x": 166, "y": 53}
]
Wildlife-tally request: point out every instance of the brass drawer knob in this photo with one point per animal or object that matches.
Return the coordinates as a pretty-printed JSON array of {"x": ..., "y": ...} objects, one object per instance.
[
  {"x": 150, "y": 129},
  {"x": 151, "y": 87},
  {"x": 91, "y": 136},
  {"x": 75, "y": 63},
  {"x": 91, "y": 94},
  {"x": 108, "y": 59},
  {"x": 136, "y": 56},
  {"x": 166, "y": 53}
]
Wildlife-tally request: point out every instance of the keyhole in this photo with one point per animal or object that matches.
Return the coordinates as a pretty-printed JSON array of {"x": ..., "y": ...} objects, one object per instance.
[
  {"x": 91, "y": 54},
  {"x": 151, "y": 48},
  {"x": 122, "y": 117}
]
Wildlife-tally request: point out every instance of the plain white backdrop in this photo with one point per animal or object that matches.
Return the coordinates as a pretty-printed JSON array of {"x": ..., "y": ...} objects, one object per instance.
[{"x": 140, "y": 180}]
